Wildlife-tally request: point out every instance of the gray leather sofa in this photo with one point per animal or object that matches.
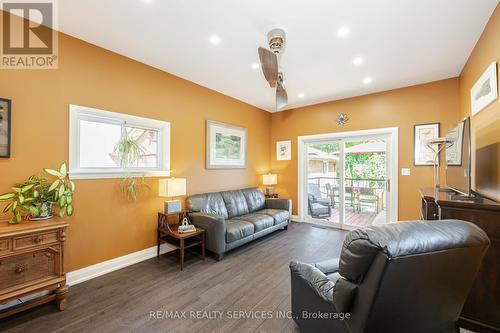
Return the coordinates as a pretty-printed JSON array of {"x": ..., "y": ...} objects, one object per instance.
[
  {"x": 411, "y": 277},
  {"x": 233, "y": 218}
]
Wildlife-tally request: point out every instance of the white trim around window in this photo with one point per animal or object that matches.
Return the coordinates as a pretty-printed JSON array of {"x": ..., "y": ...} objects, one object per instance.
[{"x": 82, "y": 113}]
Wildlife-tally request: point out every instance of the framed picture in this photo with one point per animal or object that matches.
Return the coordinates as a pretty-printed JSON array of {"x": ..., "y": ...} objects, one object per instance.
[
  {"x": 5, "y": 127},
  {"x": 423, "y": 155},
  {"x": 284, "y": 150},
  {"x": 485, "y": 90},
  {"x": 226, "y": 146},
  {"x": 455, "y": 151}
]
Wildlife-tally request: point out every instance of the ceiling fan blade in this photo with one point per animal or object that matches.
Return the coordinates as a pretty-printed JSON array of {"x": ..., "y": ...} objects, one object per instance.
[
  {"x": 281, "y": 97},
  {"x": 269, "y": 65}
]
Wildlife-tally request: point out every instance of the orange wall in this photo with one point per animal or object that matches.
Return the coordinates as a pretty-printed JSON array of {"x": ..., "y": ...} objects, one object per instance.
[
  {"x": 403, "y": 108},
  {"x": 104, "y": 225},
  {"x": 486, "y": 124}
]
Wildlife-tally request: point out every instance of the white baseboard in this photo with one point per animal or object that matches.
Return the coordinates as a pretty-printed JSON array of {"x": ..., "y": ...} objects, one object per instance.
[
  {"x": 109, "y": 266},
  {"x": 295, "y": 218}
]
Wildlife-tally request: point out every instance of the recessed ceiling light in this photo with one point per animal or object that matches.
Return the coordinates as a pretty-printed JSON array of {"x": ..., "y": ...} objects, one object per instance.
[
  {"x": 301, "y": 95},
  {"x": 367, "y": 80},
  {"x": 148, "y": 1},
  {"x": 357, "y": 61},
  {"x": 255, "y": 65},
  {"x": 215, "y": 40},
  {"x": 343, "y": 32}
]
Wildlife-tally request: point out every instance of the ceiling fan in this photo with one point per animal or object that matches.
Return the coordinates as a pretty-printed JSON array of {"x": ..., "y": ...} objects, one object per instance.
[{"x": 269, "y": 62}]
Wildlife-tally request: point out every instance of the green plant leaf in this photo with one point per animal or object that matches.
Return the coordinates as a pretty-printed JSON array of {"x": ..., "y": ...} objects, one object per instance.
[
  {"x": 14, "y": 206},
  {"x": 36, "y": 194},
  {"x": 9, "y": 206},
  {"x": 69, "y": 210},
  {"x": 16, "y": 189},
  {"x": 34, "y": 211},
  {"x": 26, "y": 188},
  {"x": 18, "y": 217},
  {"x": 7, "y": 196},
  {"x": 21, "y": 198},
  {"x": 62, "y": 188},
  {"x": 69, "y": 198},
  {"x": 53, "y": 173},
  {"x": 72, "y": 186},
  {"x": 54, "y": 185},
  {"x": 63, "y": 170},
  {"x": 62, "y": 201}
]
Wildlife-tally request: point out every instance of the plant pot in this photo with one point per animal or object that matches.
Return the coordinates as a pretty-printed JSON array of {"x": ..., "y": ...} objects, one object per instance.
[{"x": 45, "y": 212}]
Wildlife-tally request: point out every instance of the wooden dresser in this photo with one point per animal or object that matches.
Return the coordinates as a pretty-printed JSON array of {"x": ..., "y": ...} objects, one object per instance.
[
  {"x": 481, "y": 312},
  {"x": 32, "y": 261}
]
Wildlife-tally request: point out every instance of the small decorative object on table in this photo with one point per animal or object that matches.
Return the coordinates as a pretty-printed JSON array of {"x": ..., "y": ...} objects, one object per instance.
[
  {"x": 171, "y": 232},
  {"x": 185, "y": 227},
  {"x": 169, "y": 188},
  {"x": 272, "y": 196},
  {"x": 270, "y": 180}
]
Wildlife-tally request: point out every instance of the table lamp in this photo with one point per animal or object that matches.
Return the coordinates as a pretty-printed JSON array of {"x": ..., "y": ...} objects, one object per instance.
[
  {"x": 169, "y": 188},
  {"x": 269, "y": 180}
]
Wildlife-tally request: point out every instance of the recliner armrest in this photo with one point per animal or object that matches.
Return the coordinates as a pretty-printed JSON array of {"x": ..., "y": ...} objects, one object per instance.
[
  {"x": 285, "y": 204},
  {"x": 317, "y": 281},
  {"x": 328, "y": 266},
  {"x": 215, "y": 230}
]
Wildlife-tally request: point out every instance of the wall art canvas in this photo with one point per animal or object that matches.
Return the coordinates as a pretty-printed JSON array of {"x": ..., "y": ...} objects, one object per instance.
[
  {"x": 284, "y": 150},
  {"x": 226, "y": 146},
  {"x": 485, "y": 90},
  {"x": 423, "y": 154},
  {"x": 5, "y": 127}
]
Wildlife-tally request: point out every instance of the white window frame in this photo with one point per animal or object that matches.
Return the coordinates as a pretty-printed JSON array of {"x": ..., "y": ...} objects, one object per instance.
[{"x": 77, "y": 113}]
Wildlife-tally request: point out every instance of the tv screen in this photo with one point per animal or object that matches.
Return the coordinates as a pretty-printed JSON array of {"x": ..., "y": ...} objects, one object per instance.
[{"x": 458, "y": 158}]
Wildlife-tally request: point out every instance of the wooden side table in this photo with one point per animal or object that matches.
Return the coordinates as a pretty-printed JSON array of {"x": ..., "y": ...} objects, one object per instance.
[
  {"x": 168, "y": 233},
  {"x": 271, "y": 196}
]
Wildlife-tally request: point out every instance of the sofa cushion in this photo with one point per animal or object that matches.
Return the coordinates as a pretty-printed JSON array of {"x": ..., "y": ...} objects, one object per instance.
[
  {"x": 236, "y": 204},
  {"x": 238, "y": 229},
  {"x": 260, "y": 221},
  {"x": 209, "y": 203},
  {"x": 255, "y": 199},
  {"x": 279, "y": 215}
]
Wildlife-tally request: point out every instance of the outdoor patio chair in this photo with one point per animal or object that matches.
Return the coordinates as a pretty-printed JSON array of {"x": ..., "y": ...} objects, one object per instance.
[
  {"x": 369, "y": 197},
  {"x": 351, "y": 195},
  {"x": 319, "y": 206}
]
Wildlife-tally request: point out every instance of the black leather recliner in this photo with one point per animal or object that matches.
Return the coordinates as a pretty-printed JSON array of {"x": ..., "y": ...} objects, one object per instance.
[{"x": 407, "y": 277}]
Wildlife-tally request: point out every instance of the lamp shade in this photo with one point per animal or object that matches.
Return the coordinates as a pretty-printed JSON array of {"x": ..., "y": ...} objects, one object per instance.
[
  {"x": 172, "y": 187},
  {"x": 270, "y": 179}
]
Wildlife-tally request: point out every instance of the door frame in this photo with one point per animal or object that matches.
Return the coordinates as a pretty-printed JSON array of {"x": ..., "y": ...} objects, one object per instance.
[{"x": 392, "y": 156}]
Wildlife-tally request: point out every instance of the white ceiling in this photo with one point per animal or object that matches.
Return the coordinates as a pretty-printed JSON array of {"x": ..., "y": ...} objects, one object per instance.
[{"x": 403, "y": 42}]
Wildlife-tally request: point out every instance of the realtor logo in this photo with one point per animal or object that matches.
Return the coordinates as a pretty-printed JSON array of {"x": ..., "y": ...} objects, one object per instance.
[{"x": 29, "y": 35}]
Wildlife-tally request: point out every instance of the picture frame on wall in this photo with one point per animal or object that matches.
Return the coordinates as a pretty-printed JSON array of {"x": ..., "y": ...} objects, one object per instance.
[
  {"x": 5, "y": 127},
  {"x": 485, "y": 90},
  {"x": 423, "y": 155},
  {"x": 454, "y": 153},
  {"x": 226, "y": 146},
  {"x": 284, "y": 150}
]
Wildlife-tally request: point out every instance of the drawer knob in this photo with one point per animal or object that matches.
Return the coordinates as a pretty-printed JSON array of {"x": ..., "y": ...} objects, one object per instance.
[
  {"x": 20, "y": 269},
  {"x": 37, "y": 239}
]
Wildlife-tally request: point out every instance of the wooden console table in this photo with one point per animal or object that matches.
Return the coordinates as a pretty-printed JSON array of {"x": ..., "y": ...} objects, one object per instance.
[
  {"x": 31, "y": 261},
  {"x": 481, "y": 312}
]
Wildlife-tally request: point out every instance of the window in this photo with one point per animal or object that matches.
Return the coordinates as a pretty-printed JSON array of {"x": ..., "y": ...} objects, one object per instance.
[{"x": 94, "y": 135}]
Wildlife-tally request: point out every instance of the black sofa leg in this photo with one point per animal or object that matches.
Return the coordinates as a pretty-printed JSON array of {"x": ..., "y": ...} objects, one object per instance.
[
  {"x": 219, "y": 256},
  {"x": 285, "y": 227}
]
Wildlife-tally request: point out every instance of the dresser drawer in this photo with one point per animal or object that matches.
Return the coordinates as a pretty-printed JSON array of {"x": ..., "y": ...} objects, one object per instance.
[
  {"x": 26, "y": 268},
  {"x": 5, "y": 245},
  {"x": 35, "y": 240}
]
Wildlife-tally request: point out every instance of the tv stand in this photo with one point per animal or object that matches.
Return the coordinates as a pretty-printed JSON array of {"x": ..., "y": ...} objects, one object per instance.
[{"x": 480, "y": 312}]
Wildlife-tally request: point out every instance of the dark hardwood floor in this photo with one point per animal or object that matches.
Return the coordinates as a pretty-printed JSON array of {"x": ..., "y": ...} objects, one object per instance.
[{"x": 254, "y": 278}]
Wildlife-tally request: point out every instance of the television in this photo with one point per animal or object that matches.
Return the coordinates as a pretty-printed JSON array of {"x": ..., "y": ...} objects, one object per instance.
[{"x": 458, "y": 158}]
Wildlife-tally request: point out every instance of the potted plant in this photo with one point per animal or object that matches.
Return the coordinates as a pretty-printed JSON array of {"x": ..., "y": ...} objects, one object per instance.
[{"x": 34, "y": 198}]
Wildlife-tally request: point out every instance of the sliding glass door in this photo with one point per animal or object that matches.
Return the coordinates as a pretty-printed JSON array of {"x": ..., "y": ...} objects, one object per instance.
[{"x": 345, "y": 181}]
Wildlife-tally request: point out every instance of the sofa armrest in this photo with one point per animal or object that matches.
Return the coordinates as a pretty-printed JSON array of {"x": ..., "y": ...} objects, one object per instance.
[
  {"x": 215, "y": 230},
  {"x": 285, "y": 204},
  {"x": 314, "y": 279}
]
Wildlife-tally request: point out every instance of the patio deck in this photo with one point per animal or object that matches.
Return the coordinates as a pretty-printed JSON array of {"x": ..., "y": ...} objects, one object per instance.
[{"x": 363, "y": 219}]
